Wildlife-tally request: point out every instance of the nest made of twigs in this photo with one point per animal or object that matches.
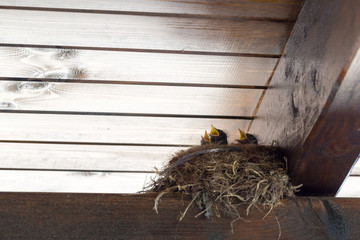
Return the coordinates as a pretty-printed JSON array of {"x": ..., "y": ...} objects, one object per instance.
[{"x": 220, "y": 178}]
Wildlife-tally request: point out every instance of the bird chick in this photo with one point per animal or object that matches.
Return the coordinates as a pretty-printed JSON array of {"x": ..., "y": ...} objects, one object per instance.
[
  {"x": 218, "y": 136},
  {"x": 205, "y": 139},
  {"x": 246, "y": 138}
]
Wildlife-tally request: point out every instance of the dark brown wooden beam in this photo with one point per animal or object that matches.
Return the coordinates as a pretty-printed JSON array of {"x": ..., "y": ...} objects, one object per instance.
[
  {"x": 99, "y": 216},
  {"x": 334, "y": 142},
  {"x": 309, "y": 82}
]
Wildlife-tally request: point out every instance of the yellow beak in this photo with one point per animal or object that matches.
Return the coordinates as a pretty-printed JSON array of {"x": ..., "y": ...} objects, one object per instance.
[
  {"x": 242, "y": 135},
  {"x": 213, "y": 131},
  {"x": 206, "y": 137}
]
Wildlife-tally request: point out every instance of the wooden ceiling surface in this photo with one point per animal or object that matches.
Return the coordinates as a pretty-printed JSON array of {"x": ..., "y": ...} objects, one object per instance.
[
  {"x": 272, "y": 9},
  {"x": 109, "y": 129},
  {"x": 143, "y": 32},
  {"x": 103, "y": 91},
  {"x": 135, "y": 67}
]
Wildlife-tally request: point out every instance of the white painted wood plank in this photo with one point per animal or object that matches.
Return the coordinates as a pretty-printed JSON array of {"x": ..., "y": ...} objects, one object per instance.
[
  {"x": 142, "y": 32},
  {"x": 275, "y": 9},
  {"x": 350, "y": 188},
  {"x": 111, "y": 129},
  {"x": 356, "y": 169},
  {"x": 81, "y": 97},
  {"x": 134, "y": 66},
  {"x": 80, "y": 182},
  {"x": 84, "y": 157}
]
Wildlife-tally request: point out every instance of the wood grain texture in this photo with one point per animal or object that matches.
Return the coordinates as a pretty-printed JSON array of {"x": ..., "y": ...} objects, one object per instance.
[
  {"x": 128, "y": 98},
  {"x": 72, "y": 181},
  {"x": 333, "y": 144},
  {"x": 84, "y": 157},
  {"x": 134, "y": 66},
  {"x": 142, "y": 32},
  {"x": 280, "y": 9},
  {"x": 350, "y": 187},
  {"x": 108, "y": 216},
  {"x": 111, "y": 129},
  {"x": 313, "y": 60}
]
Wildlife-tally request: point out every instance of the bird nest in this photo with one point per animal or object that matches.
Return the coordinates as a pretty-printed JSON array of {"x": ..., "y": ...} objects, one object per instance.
[{"x": 219, "y": 178}]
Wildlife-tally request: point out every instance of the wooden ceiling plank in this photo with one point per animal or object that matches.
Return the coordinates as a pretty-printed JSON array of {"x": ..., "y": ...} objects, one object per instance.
[
  {"x": 350, "y": 187},
  {"x": 281, "y": 9},
  {"x": 110, "y": 216},
  {"x": 111, "y": 129},
  {"x": 81, "y": 97},
  {"x": 356, "y": 169},
  {"x": 152, "y": 33},
  {"x": 84, "y": 157},
  {"x": 118, "y": 66},
  {"x": 316, "y": 59},
  {"x": 72, "y": 181}
]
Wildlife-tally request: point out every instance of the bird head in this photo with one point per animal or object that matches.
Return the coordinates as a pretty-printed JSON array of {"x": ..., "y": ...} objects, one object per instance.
[
  {"x": 242, "y": 135},
  {"x": 246, "y": 138},
  {"x": 214, "y": 131},
  {"x": 217, "y": 136},
  {"x": 205, "y": 139}
]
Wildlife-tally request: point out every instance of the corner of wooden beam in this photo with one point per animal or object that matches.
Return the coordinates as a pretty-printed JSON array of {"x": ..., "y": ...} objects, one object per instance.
[{"x": 313, "y": 80}]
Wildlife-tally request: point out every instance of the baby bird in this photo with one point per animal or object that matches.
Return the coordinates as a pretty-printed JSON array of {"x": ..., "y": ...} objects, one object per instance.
[
  {"x": 246, "y": 138},
  {"x": 205, "y": 139},
  {"x": 218, "y": 136}
]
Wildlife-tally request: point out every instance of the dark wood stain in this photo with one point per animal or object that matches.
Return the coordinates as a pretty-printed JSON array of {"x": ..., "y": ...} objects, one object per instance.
[
  {"x": 109, "y": 216},
  {"x": 329, "y": 215},
  {"x": 78, "y": 73},
  {"x": 65, "y": 54},
  {"x": 335, "y": 223}
]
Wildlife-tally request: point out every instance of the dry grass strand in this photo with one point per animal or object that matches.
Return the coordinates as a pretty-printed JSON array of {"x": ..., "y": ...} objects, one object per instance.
[{"x": 220, "y": 178}]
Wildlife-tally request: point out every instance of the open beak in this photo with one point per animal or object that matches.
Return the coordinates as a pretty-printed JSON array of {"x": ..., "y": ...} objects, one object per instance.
[
  {"x": 213, "y": 131},
  {"x": 206, "y": 137},
  {"x": 242, "y": 135}
]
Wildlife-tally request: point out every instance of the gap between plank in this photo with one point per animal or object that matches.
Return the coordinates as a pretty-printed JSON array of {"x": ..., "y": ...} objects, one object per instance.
[
  {"x": 99, "y": 143},
  {"x": 269, "y": 81},
  {"x": 129, "y": 114},
  {"x": 232, "y": 54},
  {"x": 73, "y": 170},
  {"x": 20, "y": 79},
  {"x": 262, "y": 95}
]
